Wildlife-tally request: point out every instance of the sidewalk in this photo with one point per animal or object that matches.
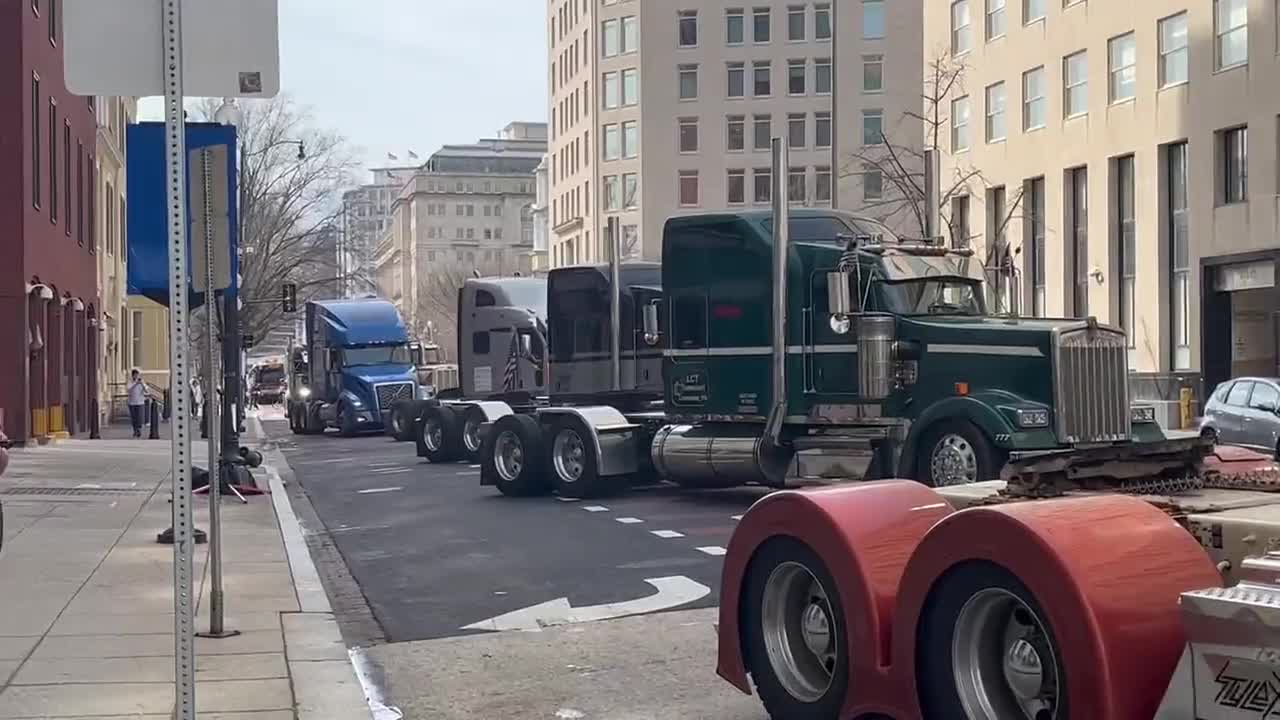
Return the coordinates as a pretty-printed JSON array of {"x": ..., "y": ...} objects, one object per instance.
[{"x": 86, "y": 596}]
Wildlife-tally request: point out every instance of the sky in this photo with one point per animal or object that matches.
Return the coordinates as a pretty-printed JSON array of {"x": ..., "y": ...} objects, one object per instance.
[{"x": 398, "y": 75}]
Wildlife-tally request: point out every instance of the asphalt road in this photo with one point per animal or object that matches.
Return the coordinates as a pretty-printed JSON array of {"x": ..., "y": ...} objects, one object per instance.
[{"x": 433, "y": 551}]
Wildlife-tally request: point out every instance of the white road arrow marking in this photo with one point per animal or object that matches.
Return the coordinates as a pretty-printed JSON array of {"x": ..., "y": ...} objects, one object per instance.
[{"x": 672, "y": 592}]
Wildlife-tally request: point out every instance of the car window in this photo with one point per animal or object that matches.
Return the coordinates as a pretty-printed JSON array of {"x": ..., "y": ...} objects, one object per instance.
[
  {"x": 1239, "y": 395},
  {"x": 1264, "y": 395},
  {"x": 1221, "y": 393}
]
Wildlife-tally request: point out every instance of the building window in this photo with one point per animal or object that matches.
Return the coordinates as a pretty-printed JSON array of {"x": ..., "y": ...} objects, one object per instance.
[
  {"x": 1122, "y": 55},
  {"x": 960, "y": 124},
  {"x": 737, "y": 187},
  {"x": 1075, "y": 84},
  {"x": 1231, "y": 28},
  {"x": 630, "y": 139},
  {"x": 612, "y": 193},
  {"x": 872, "y": 19},
  {"x": 135, "y": 338},
  {"x": 609, "y": 38},
  {"x": 688, "y": 188},
  {"x": 735, "y": 86},
  {"x": 1032, "y": 10},
  {"x": 629, "y": 43},
  {"x": 760, "y": 25},
  {"x": 1034, "y": 228},
  {"x": 762, "y": 185},
  {"x": 960, "y": 232},
  {"x": 1235, "y": 165},
  {"x": 872, "y": 127},
  {"x": 797, "y": 192},
  {"x": 736, "y": 133},
  {"x": 612, "y": 142},
  {"x": 1077, "y": 202},
  {"x": 630, "y": 87},
  {"x": 995, "y": 19},
  {"x": 734, "y": 26},
  {"x": 611, "y": 90},
  {"x": 53, "y": 161},
  {"x": 762, "y": 131},
  {"x": 1033, "y": 99},
  {"x": 1173, "y": 50},
  {"x": 797, "y": 130},
  {"x": 688, "y": 135},
  {"x": 872, "y": 73},
  {"x": 762, "y": 72},
  {"x": 961, "y": 41},
  {"x": 797, "y": 77},
  {"x": 822, "y": 21},
  {"x": 796, "y": 21},
  {"x": 822, "y": 129},
  {"x": 688, "y": 28},
  {"x": 995, "y": 113},
  {"x": 1179, "y": 256},
  {"x": 872, "y": 183},
  {"x": 822, "y": 184},
  {"x": 53, "y": 22},
  {"x": 630, "y": 186},
  {"x": 688, "y": 82},
  {"x": 36, "y": 180},
  {"x": 1126, "y": 245}
]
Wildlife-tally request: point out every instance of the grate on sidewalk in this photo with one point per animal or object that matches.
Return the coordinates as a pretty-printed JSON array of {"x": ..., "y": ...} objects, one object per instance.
[{"x": 47, "y": 491}]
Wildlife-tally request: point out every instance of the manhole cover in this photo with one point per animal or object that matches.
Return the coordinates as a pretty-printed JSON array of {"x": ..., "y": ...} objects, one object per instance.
[{"x": 45, "y": 491}]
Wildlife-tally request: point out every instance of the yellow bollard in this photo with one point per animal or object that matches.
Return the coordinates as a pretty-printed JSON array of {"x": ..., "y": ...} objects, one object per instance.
[{"x": 1184, "y": 406}]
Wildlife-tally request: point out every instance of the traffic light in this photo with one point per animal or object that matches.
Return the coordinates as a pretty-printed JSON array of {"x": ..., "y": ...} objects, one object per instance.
[
  {"x": 289, "y": 297},
  {"x": 247, "y": 341}
]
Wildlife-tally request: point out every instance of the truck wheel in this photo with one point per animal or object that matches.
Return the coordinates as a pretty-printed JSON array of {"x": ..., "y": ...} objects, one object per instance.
[
  {"x": 986, "y": 647},
  {"x": 438, "y": 435},
  {"x": 514, "y": 456},
  {"x": 954, "y": 453},
  {"x": 295, "y": 426},
  {"x": 471, "y": 422},
  {"x": 575, "y": 469},
  {"x": 400, "y": 425},
  {"x": 314, "y": 423},
  {"x": 794, "y": 627},
  {"x": 347, "y": 422}
]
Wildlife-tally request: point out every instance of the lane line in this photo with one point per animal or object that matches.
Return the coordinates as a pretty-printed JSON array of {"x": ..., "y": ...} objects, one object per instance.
[
  {"x": 373, "y": 491},
  {"x": 466, "y": 473},
  {"x": 565, "y": 499},
  {"x": 713, "y": 550},
  {"x": 595, "y": 508},
  {"x": 629, "y": 520},
  {"x": 390, "y": 471},
  {"x": 667, "y": 533}
]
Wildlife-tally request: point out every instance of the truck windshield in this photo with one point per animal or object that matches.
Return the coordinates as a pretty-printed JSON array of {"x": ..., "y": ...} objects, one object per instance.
[
  {"x": 270, "y": 376},
  {"x": 377, "y": 355},
  {"x": 934, "y": 296},
  {"x": 430, "y": 356}
]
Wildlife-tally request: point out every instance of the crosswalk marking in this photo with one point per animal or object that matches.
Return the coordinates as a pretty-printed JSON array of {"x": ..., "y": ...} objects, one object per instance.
[
  {"x": 713, "y": 550},
  {"x": 667, "y": 533}
]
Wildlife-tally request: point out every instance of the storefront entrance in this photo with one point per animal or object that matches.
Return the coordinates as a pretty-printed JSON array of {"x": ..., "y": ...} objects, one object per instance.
[{"x": 1240, "y": 318}]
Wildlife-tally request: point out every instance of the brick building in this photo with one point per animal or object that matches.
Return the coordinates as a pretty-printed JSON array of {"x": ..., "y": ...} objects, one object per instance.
[{"x": 48, "y": 278}]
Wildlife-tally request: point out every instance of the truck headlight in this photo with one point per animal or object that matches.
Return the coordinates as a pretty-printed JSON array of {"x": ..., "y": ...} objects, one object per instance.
[
  {"x": 1142, "y": 414},
  {"x": 304, "y": 392},
  {"x": 1033, "y": 418}
]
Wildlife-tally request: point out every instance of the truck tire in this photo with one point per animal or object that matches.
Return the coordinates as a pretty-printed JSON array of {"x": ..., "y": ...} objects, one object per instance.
[
  {"x": 295, "y": 426},
  {"x": 314, "y": 423},
  {"x": 400, "y": 424},
  {"x": 438, "y": 435},
  {"x": 514, "y": 457},
  {"x": 955, "y": 452},
  {"x": 806, "y": 674},
  {"x": 987, "y": 602},
  {"x": 347, "y": 422},
  {"x": 572, "y": 464},
  {"x": 471, "y": 442}
]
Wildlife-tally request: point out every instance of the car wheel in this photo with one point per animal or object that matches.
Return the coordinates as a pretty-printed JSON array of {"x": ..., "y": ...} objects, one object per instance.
[
  {"x": 514, "y": 457},
  {"x": 795, "y": 635},
  {"x": 1210, "y": 435},
  {"x": 438, "y": 435},
  {"x": 954, "y": 453}
]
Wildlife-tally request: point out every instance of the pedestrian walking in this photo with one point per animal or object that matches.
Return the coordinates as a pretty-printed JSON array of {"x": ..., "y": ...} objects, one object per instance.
[{"x": 137, "y": 401}]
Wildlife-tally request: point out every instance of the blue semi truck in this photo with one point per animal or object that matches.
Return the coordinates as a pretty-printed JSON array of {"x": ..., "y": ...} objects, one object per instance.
[{"x": 354, "y": 365}]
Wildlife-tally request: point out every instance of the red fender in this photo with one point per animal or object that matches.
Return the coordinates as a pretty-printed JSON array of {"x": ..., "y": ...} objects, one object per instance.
[
  {"x": 865, "y": 534},
  {"x": 1107, "y": 570}
]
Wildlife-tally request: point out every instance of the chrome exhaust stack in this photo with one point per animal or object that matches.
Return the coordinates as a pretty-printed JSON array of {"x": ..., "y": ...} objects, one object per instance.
[
  {"x": 615, "y": 302},
  {"x": 781, "y": 244}
]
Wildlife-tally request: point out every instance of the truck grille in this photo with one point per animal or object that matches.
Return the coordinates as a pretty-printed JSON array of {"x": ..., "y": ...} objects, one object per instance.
[
  {"x": 388, "y": 393},
  {"x": 1091, "y": 386}
]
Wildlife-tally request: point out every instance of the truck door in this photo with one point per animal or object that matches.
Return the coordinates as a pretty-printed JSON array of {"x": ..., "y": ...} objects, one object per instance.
[{"x": 830, "y": 359}]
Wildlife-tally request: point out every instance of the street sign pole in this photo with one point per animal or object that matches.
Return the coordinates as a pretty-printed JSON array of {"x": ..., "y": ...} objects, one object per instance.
[{"x": 176, "y": 199}]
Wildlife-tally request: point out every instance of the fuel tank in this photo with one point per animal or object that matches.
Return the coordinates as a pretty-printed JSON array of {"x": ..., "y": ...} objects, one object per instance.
[{"x": 718, "y": 456}]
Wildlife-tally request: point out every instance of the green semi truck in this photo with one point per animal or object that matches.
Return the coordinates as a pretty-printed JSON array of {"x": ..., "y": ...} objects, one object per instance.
[{"x": 788, "y": 331}]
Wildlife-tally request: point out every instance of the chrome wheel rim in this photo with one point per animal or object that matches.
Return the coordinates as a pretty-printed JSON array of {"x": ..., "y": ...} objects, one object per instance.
[
  {"x": 1003, "y": 660},
  {"x": 569, "y": 455},
  {"x": 471, "y": 434},
  {"x": 432, "y": 434},
  {"x": 799, "y": 632},
  {"x": 954, "y": 461},
  {"x": 508, "y": 456}
]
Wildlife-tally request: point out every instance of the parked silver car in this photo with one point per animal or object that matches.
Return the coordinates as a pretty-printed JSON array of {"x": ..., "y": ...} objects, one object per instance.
[{"x": 1246, "y": 412}]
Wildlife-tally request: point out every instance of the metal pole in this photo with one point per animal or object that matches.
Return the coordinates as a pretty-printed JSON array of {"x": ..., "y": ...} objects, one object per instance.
[
  {"x": 615, "y": 302},
  {"x": 211, "y": 373},
  {"x": 781, "y": 243},
  {"x": 931, "y": 199},
  {"x": 176, "y": 176},
  {"x": 835, "y": 106}
]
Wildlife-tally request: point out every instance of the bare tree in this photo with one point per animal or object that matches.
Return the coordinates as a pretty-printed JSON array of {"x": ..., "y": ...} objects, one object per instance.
[
  {"x": 292, "y": 174},
  {"x": 437, "y": 300}
]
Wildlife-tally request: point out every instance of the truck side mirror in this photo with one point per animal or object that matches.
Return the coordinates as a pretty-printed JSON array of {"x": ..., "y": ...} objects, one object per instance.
[
  {"x": 526, "y": 345},
  {"x": 651, "y": 333}
]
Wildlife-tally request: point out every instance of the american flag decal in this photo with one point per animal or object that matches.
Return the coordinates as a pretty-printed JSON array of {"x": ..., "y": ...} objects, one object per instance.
[{"x": 513, "y": 363}]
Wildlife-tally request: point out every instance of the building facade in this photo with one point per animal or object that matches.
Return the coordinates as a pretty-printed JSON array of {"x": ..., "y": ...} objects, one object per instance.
[
  {"x": 366, "y": 216},
  {"x": 658, "y": 109},
  {"x": 1133, "y": 147},
  {"x": 49, "y": 307},
  {"x": 109, "y": 209},
  {"x": 540, "y": 214},
  {"x": 468, "y": 209}
]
